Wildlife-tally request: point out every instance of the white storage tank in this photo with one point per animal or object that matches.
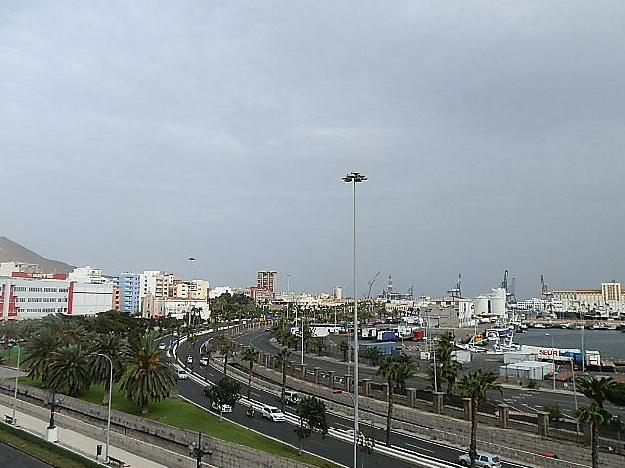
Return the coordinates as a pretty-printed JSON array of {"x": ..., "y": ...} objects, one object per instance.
[
  {"x": 480, "y": 305},
  {"x": 497, "y": 302}
]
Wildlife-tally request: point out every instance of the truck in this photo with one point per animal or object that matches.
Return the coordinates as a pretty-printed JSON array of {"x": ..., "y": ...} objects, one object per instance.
[
  {"x": 418, "y": 335},
  {"x": 368, "y": 333},
  {"x": 386, "y": 335}
]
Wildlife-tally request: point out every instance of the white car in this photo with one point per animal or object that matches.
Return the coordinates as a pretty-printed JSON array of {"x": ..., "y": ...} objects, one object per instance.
[
  {"x": 189, "y": 359},
  {"x": 224, "y": 408},
  {"x": 203, "y": 361},
  {"x": 181, "y": 374},
  {"x": 162, "y": 346},
  {"x": 483, "y": 459},
  {"x": 273, "y": 414}
]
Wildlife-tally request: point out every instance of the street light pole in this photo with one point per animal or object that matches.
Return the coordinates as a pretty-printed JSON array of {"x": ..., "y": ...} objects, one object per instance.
[
  {"x": 17, "y": 374},
  {"x": 354, "y": 178},
  {"x": 553, "y": 360},
  {"x": 301, "y": 321},
  {"x": 108, "y": 420}
]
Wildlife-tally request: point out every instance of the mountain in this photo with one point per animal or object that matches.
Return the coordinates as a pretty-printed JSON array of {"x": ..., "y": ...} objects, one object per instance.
[{"x": 13, "y": 252}]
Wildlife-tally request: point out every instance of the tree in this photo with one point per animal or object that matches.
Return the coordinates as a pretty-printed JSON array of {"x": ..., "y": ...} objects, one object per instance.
[
  {"x": 598, "y": 389},
  {"x": 147, "y": 378},
  {"x": 312, "y": 417},
  {"x": 476, "y": 385},
  {"x": 319, "y": 344},
  {"x": 251, "y": 356},
  {"x": 226, "y": 391},
  {"x": 39, "y": 352},
  {"x": 344, "y": 348},
  {"x": 282, "y": 360},
  {"x": 595, "y": 416},
  {"x": 450, "y": 372},
  {"x": 68, "y": 371},
  {"x": 393, "y": 369},
  {"x": 373, "y": 354},
  {"x": 405, "y": 370},
  {"x": 116, "y": 349}
]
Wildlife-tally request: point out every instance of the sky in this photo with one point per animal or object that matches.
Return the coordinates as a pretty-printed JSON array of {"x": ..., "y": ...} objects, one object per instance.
[{"x": 136, "y": 134}]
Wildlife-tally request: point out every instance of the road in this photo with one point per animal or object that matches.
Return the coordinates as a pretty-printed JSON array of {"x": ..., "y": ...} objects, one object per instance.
[
  {"x": 14, "y": 458},
  {"x": 339, "y": 451},
  {"x": 520, "y": 400}
]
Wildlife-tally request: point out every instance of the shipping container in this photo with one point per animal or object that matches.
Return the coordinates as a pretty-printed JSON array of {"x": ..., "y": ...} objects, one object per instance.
[
  {"x": 419, "y": 335},
  {"x": 387, "y": 335}
]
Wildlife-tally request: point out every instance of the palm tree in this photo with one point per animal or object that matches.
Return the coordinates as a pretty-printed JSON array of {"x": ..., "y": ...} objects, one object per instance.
[
  {"x": 147, "y": 378},
  {"x": 226, "y": 351},
  {"x": 68, "y": 371},
  {"x": 595, "y": 416},
  {"x": 251, "y": 356},
  {"x": 344, "y": 347},
  {"x": 597, "y": 389},
  {"x": 450, "y": 372},
  {"x": 319, "y": 344},
  {"x": 476, "y": 385},
  {"x": 282, "y": 360},
  {"x": 405, "y": 370},
  {"x": 393, "y": 370},
  {"x": 116, "y": 349},
  {"x": 39, "y": 352}
]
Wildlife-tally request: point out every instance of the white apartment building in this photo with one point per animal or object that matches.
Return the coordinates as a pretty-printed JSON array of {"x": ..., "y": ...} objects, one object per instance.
[
  {"x": 26, "y": 294},
  {"x": 196, "y": 289},
  {"x": 160, "y": 307},
  {"x": 156, "y": 283}
]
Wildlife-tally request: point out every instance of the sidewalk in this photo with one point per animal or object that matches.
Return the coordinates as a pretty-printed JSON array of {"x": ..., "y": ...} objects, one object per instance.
[{"x": 75, "y": 441}]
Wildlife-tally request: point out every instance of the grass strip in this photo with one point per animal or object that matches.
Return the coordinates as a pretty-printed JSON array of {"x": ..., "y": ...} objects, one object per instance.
[
  {"x": 178, "y": 413},
  {"x": 49, "y": 453}
]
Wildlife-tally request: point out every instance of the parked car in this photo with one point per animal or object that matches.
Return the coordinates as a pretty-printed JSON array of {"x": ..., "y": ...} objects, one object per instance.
[
  {"x": 203, "y": 361},
  {"x": 290, "y": 397},
  {"x": 224, "y": 408},
  {"x": 181, "y": 374},
  {"x": 189, "y": 359},
  {"x": 273, "y": 414},
  {"x": 162, "y": 346},
  {"x": 483, "y": 459}
]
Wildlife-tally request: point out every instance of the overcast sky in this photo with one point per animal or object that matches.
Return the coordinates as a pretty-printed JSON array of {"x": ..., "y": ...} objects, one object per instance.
[{"x": 136, "y": 134}]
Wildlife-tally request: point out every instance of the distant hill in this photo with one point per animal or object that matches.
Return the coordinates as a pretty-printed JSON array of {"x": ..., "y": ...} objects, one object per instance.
[{"x": 13, "y": 252}]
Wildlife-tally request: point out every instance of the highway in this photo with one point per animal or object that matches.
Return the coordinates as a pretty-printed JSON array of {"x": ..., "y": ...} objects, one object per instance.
[
  {"x": 14, "y": 458},
  {"x": 337, "y": 446},
  {"x": 520, "y": 400}
]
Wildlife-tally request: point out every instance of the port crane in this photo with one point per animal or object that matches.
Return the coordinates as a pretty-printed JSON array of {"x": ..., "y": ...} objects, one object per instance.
[
  {"x": 371, "y": 284},
  {"x": 508, "y": 287},
  {"x": 457, "y": 291}
]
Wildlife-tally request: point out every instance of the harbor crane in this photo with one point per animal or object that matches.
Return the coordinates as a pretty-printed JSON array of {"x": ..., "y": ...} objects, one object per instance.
[
  {"x": 544, "y": 289},
  {"x": 508, "y": 287},
  {"x": 371, "y": 284},
  {"x": 457, "y": 291}
]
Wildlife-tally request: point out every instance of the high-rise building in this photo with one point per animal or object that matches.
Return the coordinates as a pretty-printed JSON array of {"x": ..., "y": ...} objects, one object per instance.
[
  {"x": 129, "y": 285},
  {"x": 267, "y": 280}
]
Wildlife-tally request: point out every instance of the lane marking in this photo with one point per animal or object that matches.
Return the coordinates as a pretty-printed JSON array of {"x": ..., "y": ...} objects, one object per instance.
[{"x": 420, "y": 448}]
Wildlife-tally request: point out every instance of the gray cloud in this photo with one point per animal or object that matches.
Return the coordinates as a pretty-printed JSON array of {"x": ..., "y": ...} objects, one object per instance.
[{"x": 135, "y": 135}]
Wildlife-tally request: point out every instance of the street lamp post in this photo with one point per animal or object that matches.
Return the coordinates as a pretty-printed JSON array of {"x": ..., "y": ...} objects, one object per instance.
[
  {"x": 553, "y": 360},
  {"x": 17, "y": 374},
  {"x": 301, "y": 321},
  {"x": 354, "y": 178},
  {"x": 108, "y": 420}
]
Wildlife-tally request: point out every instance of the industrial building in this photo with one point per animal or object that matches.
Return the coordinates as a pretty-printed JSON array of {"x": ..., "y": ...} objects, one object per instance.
[{"x": 27, "y": 293}]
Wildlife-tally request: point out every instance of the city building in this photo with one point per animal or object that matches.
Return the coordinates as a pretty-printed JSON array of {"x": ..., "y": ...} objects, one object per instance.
[
  {"x": 337, "y": 293},
  {"x": 25, "y": 292},
  {"x": 156, "y": 283},
  {"x": 267, "y": 280},
  {"x": 129, "y": 285},
  {"x": 195, "y": 289},
  {"x": 609, "y": 296},
  {"x": 160, "y": 307},
  {"x": 219, "y": 290}
]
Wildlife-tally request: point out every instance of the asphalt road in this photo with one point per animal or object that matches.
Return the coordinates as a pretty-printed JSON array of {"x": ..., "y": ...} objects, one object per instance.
[
  {"x": 331, "y": 448},
  {"x": 14, "y": 458},
  {"x": 519, "y": 399}
]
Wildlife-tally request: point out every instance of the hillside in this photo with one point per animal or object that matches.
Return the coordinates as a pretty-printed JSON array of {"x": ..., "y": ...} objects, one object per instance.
[{"x": 12, "y": 251}]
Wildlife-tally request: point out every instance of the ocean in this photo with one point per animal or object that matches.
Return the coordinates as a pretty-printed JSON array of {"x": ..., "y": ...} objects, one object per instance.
[{"x": 609, "y": 343}]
